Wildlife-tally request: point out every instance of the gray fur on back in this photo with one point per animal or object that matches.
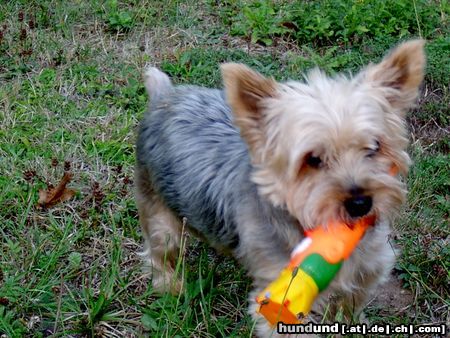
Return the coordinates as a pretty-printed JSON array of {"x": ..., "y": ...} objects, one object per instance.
[{"x": 197, "y": 160}]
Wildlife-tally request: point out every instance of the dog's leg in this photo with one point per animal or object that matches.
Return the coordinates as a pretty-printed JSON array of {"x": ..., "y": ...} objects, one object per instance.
[
  {"x": 369, "y": 279},
  {"x": 162, "y": 232},
  {"x": 262, "y": 327},
  {"x": 264, "y": 266}
]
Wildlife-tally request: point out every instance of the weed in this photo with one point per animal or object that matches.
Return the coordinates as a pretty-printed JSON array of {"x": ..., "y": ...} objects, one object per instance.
[
  {"x": 119, "y": 20},
  {"x": 260, "y": 21},
  {"x": 330, "y": 61},
  {"x": 331, "y": 21}
]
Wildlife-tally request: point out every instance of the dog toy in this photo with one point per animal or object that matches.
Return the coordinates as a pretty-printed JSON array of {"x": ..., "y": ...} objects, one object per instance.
[{"x": 314, "y": 263}]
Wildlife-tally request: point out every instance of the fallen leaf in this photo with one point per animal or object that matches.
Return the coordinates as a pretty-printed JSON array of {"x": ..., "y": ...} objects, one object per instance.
[
  {"x": 52, "y": 196},
  {"x": 4, "y": 301}
]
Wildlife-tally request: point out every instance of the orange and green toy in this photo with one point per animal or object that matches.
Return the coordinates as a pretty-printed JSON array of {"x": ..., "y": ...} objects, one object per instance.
[{"x": 313, "y": 265}]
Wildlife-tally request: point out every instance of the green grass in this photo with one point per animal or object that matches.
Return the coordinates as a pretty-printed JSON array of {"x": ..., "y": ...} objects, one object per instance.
[{"x": 71, "y": 96}]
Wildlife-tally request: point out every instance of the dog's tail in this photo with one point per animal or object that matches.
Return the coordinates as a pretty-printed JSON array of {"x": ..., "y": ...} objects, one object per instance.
[{"x": 157, "y": 84}]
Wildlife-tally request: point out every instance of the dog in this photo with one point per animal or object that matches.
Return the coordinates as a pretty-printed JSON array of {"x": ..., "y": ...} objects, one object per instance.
[{"x": 253, "y": 166}]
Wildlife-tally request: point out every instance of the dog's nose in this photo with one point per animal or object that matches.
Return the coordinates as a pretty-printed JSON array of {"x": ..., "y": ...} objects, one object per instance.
[{"x": 358, "y": 205}]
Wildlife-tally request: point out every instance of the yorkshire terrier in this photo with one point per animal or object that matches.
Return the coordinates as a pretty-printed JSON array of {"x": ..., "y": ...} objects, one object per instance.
[{"x": 254, "y": 165}]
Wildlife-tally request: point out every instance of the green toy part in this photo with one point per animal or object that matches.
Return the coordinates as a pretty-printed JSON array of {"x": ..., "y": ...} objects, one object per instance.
[{"x": 320, "y": 270}]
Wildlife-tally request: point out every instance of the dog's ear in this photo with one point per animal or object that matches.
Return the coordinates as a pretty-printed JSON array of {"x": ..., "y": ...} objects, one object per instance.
[
  {"x": 400, "y": 74},
  {"x": 246, "y": 91}
]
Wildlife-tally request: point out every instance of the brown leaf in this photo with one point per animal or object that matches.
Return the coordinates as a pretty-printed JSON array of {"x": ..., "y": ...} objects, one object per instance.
[{"x": 52, "y": 196}]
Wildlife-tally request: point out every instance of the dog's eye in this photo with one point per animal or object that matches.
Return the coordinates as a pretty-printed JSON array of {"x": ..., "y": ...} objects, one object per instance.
[
  {"x": 371, "y": 152},
  {"x": 313, "y": 161}
]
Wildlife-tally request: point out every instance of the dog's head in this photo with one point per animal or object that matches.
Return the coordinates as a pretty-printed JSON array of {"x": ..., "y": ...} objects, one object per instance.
[{"x": 325, "y": 148}]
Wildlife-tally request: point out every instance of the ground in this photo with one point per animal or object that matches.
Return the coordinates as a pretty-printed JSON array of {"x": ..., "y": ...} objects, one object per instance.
[{"x": 71, "y": 96}]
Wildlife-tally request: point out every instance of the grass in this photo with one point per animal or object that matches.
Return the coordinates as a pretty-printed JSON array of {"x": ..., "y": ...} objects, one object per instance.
[{"x": 70, "y": 98}]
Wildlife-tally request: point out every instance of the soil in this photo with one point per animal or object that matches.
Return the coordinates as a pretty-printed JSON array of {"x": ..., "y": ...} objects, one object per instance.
[{"x": 393, "y": 300}]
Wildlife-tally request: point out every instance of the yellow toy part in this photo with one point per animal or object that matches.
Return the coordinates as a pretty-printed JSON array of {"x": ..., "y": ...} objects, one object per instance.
[{"x": 293, "y": 292}]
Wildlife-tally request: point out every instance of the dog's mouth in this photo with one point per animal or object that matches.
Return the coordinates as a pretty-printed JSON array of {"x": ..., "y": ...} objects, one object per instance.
[{"x": 369, "y": 219}]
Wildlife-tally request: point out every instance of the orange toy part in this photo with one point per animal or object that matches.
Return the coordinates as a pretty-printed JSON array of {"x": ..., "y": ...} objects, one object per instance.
[{"x": 334, "y": 242}]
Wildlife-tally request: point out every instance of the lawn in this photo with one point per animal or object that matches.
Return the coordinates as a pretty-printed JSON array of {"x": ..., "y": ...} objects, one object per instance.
[{"x": 71, "y": 97}]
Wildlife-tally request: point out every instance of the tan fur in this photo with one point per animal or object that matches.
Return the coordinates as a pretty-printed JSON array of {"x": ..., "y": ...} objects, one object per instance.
[
  {"x": 401, "y": 72},
  {"x": 162, "y": 233},
  {"x": 246, "y": 91}
]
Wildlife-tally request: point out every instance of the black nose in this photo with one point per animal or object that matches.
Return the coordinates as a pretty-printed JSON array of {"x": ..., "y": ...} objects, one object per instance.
[{"x": 358, "y": 205}]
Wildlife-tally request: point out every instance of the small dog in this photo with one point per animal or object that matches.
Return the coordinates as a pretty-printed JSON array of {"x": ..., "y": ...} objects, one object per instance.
[{"x": 254, "y": 165}]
